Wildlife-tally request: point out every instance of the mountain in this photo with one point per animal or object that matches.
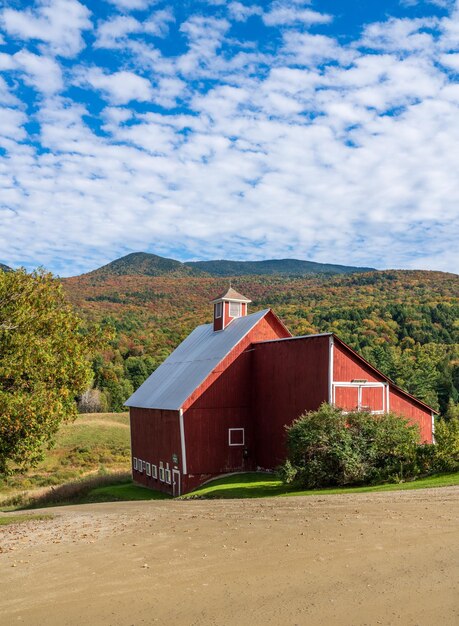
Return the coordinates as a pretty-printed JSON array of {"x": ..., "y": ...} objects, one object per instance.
[
  {"x": 5, "y": 268},
  {"x": 146, "y": 264},
  {"x": 287, "y": 267},
  {"x": 142, "y": 264}
]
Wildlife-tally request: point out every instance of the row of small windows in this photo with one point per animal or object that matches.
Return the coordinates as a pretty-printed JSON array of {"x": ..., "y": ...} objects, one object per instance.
[{"x": 149, "y": 469}]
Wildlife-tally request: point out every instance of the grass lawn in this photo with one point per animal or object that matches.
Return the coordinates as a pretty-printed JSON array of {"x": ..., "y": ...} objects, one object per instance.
[
  {"x": 94, "y": 442},
  {"x": 21, "y": 519},
  {"x": 262, "y": 485},
  {"x": 127, "y": 491}
]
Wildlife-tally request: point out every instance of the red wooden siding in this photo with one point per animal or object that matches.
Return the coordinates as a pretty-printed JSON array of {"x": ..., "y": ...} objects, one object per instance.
[
  {"x": 218, "y": 321},
  {"x": 403, "y": 405},
  {"x": 225, "y": 401},
  {"x": 290, "y": 377},
  {"x": 155, "y": 437},
  {"x": 348, "y": 366}
]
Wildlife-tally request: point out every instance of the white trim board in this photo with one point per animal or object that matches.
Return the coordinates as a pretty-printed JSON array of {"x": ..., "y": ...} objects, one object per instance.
[{"x": 182, "y": 441}]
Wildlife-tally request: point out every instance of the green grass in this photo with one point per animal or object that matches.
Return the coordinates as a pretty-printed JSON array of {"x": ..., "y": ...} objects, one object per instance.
[
  {"x": 93, "y": 443},
  {"x": 262, "y": 485},
  {"x": 127, "y": 491},
  {"x": 21, "y": 519}
]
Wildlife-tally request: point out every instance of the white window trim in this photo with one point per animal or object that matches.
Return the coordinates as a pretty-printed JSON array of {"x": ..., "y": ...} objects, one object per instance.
[
  {"x": 135, "y": 462},
  {"x": 385, "y": 394},
  {"x": 154, "y": 471},
  {"x": 139, "y": 466},
  {"x": 148, "y": 469},
  {"x": 230, "y": 430},
  {"x": 218, "y": 310},
  {"x": 161, "y": 472}
]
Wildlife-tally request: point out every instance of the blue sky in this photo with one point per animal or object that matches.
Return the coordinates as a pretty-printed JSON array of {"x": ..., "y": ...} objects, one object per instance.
[{"x": 322, "y": 130}]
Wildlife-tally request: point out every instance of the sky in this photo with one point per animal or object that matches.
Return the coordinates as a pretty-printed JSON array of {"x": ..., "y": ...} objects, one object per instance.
[{"x": 207, "y": 129}]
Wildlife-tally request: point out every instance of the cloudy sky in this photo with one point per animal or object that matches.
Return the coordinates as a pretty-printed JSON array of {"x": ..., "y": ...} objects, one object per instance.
[{"x": 202, "y": 129}]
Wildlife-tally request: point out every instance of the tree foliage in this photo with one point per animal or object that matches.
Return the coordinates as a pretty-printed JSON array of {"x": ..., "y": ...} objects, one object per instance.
[
  {"x": 404, "y": 322},
  {"x": 328, "y": 447},
  {"x": 44, "y": 364}
]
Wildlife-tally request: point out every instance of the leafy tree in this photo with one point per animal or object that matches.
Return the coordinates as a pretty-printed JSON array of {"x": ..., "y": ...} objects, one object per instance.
[{"x": 44, "y": 364}]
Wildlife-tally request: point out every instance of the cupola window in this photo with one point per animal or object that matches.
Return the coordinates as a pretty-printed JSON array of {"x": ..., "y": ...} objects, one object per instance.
[
  {"x": 218, "y": 309},
  {"x": 235, "y": 309}
]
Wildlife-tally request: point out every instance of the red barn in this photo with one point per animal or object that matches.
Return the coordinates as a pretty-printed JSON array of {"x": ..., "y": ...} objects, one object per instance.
[{"x": 220, "y": 402}]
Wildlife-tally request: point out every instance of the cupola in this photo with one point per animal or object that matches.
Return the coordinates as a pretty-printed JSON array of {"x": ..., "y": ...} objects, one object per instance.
[{"x": 227, "y": 307}]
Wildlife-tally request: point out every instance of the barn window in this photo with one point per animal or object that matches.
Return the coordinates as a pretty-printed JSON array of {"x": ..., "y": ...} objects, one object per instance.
[
  {"x": 235, "y": 309},
  {"x": 161, "y": 471},
  {"x": 168, "y": 475},
  {"x": 144, "y": 466},
  {"x": 139, "y": 465},
  {"x": 148, "y": 469},
  {"x": 218, "y": 309},
  {"x": 154, "y": 471},
  {"x": 236, "y": 436}
]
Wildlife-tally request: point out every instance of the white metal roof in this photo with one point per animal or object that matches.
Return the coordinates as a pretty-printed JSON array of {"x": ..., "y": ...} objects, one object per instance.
[{"x": 172, "y": 383}]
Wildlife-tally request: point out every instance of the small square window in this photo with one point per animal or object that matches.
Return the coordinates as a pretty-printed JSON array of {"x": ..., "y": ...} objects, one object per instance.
[
  {"x": 144, "y": 466},
  {"x": 236, "y": 436},
  {"x": 168, "y": 476},
  {"x": 139, "y": 465},
  {"x": 161, "y": 472},
  {"x": 154, "y": 471},
  {"x": 235, "y": 309},
  {"x": 135, "y": 463},
  {"x": 218, "y": 309},
  {"x": 148, "y": 469}
]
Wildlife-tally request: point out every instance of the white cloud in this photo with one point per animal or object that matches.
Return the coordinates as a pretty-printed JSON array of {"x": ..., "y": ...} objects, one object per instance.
[
  {"x": 40, "y": 72},
  {"x": 451, "y": 61},
  {"x": 283, "y": 13},
  {"x": 241, "y": 12},
  {"x": 111, "y": 33},
  {"x": 57, "y": 23},
  {"x": 158, "y": 23},
  {"x": 345, "y": 150},
  {"x": 119, "y": 87},
  {"x": 114, "y": 33},
  {"x": 133, "y": 5}
]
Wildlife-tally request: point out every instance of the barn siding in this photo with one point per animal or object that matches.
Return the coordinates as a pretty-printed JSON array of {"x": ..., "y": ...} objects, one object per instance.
[
  {"x": 225, "y": 401},
  {"x": 155, "y": 437},
  {"x": 290, "y": 378},
  {"x": 348, "y": 366},
  {"x": 403, "y": 405}
]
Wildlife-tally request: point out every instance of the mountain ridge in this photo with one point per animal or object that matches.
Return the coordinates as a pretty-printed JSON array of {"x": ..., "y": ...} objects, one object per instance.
[{"x": 148, "y": 264}]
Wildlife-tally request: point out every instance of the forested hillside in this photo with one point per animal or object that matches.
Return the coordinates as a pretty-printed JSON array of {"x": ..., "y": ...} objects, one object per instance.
[
  {"x": 147, "y": 264},
  {"x": 404, "y": 322}
]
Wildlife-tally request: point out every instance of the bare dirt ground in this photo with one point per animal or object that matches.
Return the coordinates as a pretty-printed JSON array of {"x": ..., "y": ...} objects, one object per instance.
[{"x": 387, "y": 558}]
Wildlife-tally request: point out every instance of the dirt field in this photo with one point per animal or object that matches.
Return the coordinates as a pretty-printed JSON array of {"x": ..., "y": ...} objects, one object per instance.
[{"x": 387, "y": 558}]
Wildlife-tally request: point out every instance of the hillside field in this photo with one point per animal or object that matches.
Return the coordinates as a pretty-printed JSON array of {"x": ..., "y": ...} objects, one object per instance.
[{"x": 92, "y": 444}]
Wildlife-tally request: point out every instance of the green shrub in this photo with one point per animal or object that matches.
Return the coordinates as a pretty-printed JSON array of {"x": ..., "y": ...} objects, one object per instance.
[
  {"x": 447, "y": 445},
  {"x": 328, "y": 447}
]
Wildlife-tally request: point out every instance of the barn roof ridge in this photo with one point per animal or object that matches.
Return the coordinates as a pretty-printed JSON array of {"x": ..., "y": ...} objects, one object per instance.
[
  {"x": 294, "y": 337},
  {"x": 189, "y": 365}
]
